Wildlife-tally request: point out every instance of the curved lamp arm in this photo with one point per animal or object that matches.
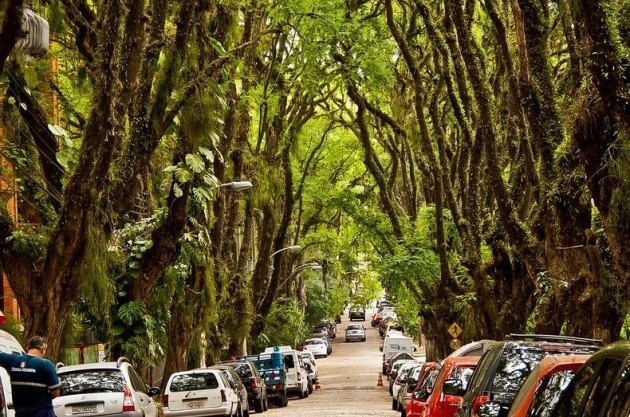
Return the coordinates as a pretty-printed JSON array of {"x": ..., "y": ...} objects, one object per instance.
[
  {"x": 292, "y": 249},
  {"x": 312, "y": 265}
]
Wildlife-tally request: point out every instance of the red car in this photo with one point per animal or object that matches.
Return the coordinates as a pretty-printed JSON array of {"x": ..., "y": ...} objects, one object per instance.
[
  {"x": 455, "y": 371},
  {"x": 542, "y": 388},
  {"x": 416, "y": 404}
]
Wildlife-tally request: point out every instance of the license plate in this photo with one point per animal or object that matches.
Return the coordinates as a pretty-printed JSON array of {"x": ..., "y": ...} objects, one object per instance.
[
  {"x": 194, "y": 404},
  {"x": 83, "y": 409}
]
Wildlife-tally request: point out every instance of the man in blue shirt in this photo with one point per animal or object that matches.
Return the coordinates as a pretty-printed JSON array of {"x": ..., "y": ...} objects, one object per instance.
[{"x": 34, "y": 381}]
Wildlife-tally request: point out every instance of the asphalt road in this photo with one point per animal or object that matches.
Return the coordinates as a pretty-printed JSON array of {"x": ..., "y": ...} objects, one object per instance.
[{"x": 348, "y": 381}]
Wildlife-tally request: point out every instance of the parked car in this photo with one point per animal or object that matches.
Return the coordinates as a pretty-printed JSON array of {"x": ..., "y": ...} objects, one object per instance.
[
  {"x": 417, "y": 402},
  {"x": 309, "y": 355},
  {"x": 254, "y": 383},
  {"x": 317, "y": 347},
  {"x": 600, "y": 387},
  {"x": 274, "y": 375},
  {"x": 405, "y": 391},
  {"x": 386, "y": 311},
  {"x": 96, "y": 389},
  {"x": 357, "y": 313},
  {"x": 505, "y": 366},
  {"x": 355, "y": 332},
  {"x": 404, "y": 373},
  {"x": 199, "y": 392},
  {"x": 541, "y": 390},
  {"x": 237, "y": 385},
  {"x": 394, "y": 372},
  {"x": 454, "y": 372},
  {"x": 8, "y": 344},
  {"x": 310, "y": 373},
  {"x": 296, "y": 376},
  {"x": 402, "y": 356}
]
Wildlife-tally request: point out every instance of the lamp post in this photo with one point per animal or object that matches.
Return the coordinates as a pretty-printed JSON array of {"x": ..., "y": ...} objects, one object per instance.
[
  {"x": 235, "y": 185},
  {"x": 312, "y": 265},
  {"x": 292, "y": 249}
]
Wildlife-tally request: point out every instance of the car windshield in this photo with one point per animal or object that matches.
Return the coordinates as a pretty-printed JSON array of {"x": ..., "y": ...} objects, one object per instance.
[
  {"x": 314, "y": 342},
  {"x": 353, "y": 327},
  {"x": 101, "y": 380},
  {"x": 192, "y": 382},
  {"x": 514, "y": 367},
  {"x": 243, "y": 370}
]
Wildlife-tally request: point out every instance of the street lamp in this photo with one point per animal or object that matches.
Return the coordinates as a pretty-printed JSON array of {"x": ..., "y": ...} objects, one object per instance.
[
  {"x": 312, "y": 265},
  {"x": 292, "y": 249},
  {"x": 235, "y": 185}
]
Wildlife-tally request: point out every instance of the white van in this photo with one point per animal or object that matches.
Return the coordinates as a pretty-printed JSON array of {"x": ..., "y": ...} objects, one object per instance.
[
  {"x": 8, "y": 344},
  {"x": 297, "y": 377},
  {"x": 393, "y": 344}
]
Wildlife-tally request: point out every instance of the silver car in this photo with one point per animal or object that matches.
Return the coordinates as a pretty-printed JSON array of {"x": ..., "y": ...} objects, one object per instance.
[
  {"x": 113, "y": 389},
  {"x": 355, "y": 332}
]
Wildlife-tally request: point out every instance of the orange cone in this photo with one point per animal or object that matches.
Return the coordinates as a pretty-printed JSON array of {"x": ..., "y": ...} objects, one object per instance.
[
  {"x": 380, "y": 380},
  {"x": 317, "y": 386}
]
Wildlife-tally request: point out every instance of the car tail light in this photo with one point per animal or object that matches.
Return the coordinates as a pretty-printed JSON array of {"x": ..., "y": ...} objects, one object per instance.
[
  {"x": 128, "y": 402},
  {"x": 299, "y": 376},
  {"x": 165, "y": 399},
  {"x": 223, "y": 396},
  {"x": 254, "y": 383},
  {"x": 477, "y": 402}
]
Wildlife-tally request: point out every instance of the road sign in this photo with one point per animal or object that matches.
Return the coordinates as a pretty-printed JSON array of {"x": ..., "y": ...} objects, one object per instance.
[
  {"x": 455, "y": 344},
  {"x": 454, "y": 330}
]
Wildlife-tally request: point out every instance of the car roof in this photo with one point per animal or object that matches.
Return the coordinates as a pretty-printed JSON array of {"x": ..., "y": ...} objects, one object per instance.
[
  {"x": 552, "y": 361},
  {"x": 61, "y": 368},
  {"x": 463, "y": 360},
  {"x": 618, "y": 350}
]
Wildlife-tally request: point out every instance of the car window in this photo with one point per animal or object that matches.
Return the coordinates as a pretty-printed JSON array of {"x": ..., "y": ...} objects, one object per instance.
[
  {"x": 289, "y": 361},
  {"x": 548, "y": 393},
  {"x": 426, "y": 386},
  {"x": 136, "y": 382},
  {"x": 604, "y": 382},
  {"x": 485, "y": 364},
  {"x": 100, "y": 380},
  {"x": 313, "y": 342},
  {"x": 462, "y": 373},
  {"x": 514, "y": 366},
  {"x": 620, "y": 400},
  {"x": 571, "y": 401},
  {"x": 243, "y": 370},
  {"x": 192, "y": 382}
]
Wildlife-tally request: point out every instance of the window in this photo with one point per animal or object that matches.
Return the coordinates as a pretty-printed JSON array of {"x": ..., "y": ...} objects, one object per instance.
[
  {"x": 619, "y": 404},
  {"x": 548, "y": 393},
  {"x": 193, "y": 382},
  {"x": 514, "y": 366},
  {"x": 570, "y": 403},
  {"x": 102, "y": 380},
  {"x": 136, "y": 382}
]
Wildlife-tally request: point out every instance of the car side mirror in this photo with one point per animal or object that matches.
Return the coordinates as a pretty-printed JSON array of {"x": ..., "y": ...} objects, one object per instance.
[
  {"x": 153, "y": 391},
  {"x": 453, "y": 387},
  {"x": 381, "y": 348}
]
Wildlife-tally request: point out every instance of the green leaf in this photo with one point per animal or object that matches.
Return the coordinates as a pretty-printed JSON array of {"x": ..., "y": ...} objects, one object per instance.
[
  {"x": 183, "y": 175},
  {"x": 195, "y": 162}
]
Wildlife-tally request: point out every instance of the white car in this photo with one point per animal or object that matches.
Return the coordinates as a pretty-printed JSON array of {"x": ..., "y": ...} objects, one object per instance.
[
  {"x": 199, "y": 392},
  {"x": 104, "y": 388},
  {"x": 317, "y": 347}
]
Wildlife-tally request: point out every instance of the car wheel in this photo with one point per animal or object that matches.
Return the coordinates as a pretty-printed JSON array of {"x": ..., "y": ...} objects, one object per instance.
[
  {"x": 266, "y": 404},
  {"x": 394, "y": 404},
  {"x": 310, "y": 388},
  {"x": 259, "y": 406},
  {"x": 301, "y": 395},
  {"x": 391, "y": 391},
  {"x": 403, "y": 413},
  {"x": 245, "y": 412},
  {"x": 285, "y": 400}
]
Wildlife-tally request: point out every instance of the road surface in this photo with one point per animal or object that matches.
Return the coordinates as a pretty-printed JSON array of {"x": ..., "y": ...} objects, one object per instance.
[{"x": 348, "y": 381}]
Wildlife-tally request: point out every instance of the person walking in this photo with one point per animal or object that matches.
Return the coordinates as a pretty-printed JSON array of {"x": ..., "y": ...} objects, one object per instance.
[{"x": 34, "y": 381}]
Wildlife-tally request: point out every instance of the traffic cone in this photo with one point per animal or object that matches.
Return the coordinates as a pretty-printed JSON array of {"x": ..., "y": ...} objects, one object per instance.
[
  {"x": 380, "y": 380},
  {"x": 317, "y": 386}
]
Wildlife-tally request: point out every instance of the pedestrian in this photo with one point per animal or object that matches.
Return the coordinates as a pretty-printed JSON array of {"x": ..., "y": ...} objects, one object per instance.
[{"x": 34, "y": 381}]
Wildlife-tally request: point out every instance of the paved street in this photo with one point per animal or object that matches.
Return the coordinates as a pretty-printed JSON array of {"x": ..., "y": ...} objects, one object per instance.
[{"x": 348, "y": 380}]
